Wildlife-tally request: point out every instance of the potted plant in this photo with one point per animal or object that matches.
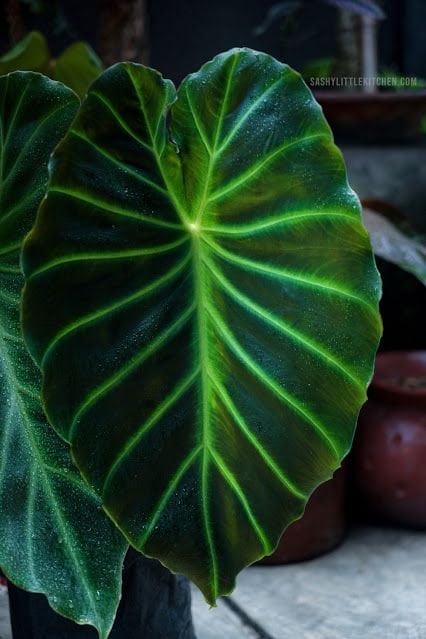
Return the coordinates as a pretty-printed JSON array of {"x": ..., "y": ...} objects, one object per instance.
[
  {"x": 388, "y": 467},
  {"x": 204, "y": 359}
]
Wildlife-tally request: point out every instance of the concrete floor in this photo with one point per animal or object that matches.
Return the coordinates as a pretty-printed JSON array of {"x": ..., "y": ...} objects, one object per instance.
[{"x": 372, "y": 587}]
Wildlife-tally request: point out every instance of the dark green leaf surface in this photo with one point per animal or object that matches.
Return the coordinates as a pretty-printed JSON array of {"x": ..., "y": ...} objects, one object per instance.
[
  {"x": 54, "y": 537},
  {"x": 204, "y": 309}
]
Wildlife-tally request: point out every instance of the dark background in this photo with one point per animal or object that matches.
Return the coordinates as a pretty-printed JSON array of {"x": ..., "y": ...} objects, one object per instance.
[{"x": 184, "y": 34}]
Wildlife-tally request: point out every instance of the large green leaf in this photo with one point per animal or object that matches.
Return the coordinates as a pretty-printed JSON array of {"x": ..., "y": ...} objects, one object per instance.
[
  {"x": 203, "y": 307},
  {"x": 54, "y": 537}
]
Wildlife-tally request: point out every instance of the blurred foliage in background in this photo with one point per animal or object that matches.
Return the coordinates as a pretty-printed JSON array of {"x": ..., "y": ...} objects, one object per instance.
[
  {"x": 117, "y": 29},
  {"x": 77, "y": 66}
]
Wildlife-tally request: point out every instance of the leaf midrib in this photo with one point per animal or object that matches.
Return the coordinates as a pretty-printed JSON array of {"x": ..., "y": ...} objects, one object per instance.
[
  {"x": 202, "y": 318},
  {"x": 192, "y": 223}
]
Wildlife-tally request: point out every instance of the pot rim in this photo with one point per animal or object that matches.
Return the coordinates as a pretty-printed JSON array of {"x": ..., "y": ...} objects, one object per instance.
[{"x": 394, "y": 364}]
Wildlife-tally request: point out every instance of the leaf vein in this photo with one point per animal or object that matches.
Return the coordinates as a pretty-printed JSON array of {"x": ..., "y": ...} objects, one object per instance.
[
  {"x": 152, "y": 421},
  {"x": 249, "y": 175},
  {"x": 233, "y": 483},
  {"x": 278, "y": 391},
  {"x": 111, "y": 308},
  {"x": 247, "y": 303}
]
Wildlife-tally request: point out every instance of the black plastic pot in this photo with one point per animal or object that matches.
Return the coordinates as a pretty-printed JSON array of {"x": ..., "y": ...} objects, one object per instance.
[{"x": 155, "y": 605}]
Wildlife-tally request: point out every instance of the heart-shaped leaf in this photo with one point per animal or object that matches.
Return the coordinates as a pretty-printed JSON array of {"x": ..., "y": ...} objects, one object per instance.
[
  {"x": 203, "y": 303},
  {"x": 54, "y": 537}
]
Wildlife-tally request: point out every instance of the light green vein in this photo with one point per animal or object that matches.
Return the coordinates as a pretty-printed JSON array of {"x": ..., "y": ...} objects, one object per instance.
[
  {"x": 246, "y": 177},
  {"x": 288, "y": 275},
  {"x": 205, "y": 198},
  {"x": 120, "y": 120},
  {"x": 29, "y": 140},
  {"x": 241, "y": 423},
  {"x": 119, "y": 164},
  {"x": 281, "y": 220},
  {"x": 5, "y": 250},
  {"x": 6, "y": 432},
  {"x": 32, "y": 394},
  {"x": 171, "y": 488},
  {"x": 307, "y": 343},
  {"x": 200, "y": 295},
  {"x": 197, "y": 122},
  {"x": 2, "y": 137},
  {"x": 10, "y": 270},
  {"x": 152, "y": 421},
  {"x": 160, "y": 120},
  {"x": 12, "y": 298},
  {"x": 16, "y": 339},
  {"x": 128, "y": 368},
  {"x": 14, "y": 116},
  {"x": 107, "y": 255},
  {"x": 30, "y": 524},
  {"x": 180, "y": 210},
  {"x": 233, "y": 483},
  {"x": 262, "y": 97},
  {"x": 111, "y": 308},
  {"x": 72, "y": 478},
  {"x": 268, "y": 381},
  {"x": 112, "y": 208},
  {"x": 20, "y": 205},
  {"x": 203, "y": 353}
]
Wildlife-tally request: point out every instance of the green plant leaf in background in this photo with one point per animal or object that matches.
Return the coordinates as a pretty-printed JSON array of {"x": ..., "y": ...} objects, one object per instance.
[
  {"x": 396, "y": 243},
  {"x": 203, "y": 303},
  {"x": 54, "y": 536},
  {"x": 30, "y": 54},
  {"x": 77, "y": 66}
]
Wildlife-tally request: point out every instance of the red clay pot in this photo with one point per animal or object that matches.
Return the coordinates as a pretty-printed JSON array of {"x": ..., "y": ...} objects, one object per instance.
[
  {"x": 390, "y": 446},
  {"x": 321, "y": 528}
]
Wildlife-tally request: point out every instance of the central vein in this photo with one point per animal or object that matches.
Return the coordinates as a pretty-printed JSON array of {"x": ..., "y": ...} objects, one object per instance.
[{"x": 203, "y": 355}]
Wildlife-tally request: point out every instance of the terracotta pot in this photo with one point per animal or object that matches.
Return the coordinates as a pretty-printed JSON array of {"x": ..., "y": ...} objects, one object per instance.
[
  {"x": 321, "y": 528},
  {"x": 378, "y": 117},
  {"x": 389, "y": 453}
]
